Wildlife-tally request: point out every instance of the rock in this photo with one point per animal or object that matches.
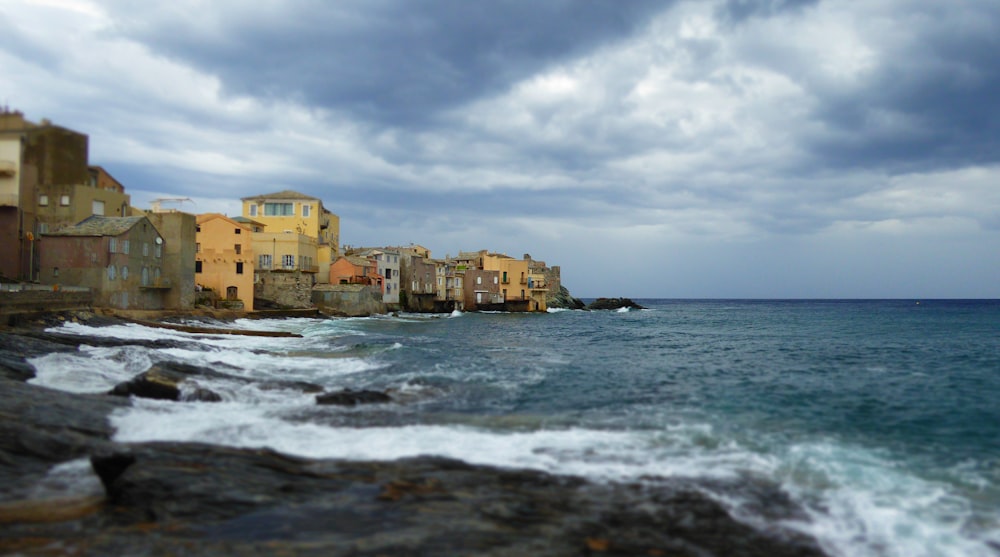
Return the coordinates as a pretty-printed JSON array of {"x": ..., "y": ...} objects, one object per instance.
[
  {"x": 165, "y": 382},
  {"x": 613, "y": 303},
  {"x": 347, "y": 397},
  {"x": 562, "y": 299}
]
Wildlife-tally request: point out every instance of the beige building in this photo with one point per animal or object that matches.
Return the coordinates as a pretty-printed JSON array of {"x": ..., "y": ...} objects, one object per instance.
[
  {"x": 224, "y": 258},
  {"x": 292, "y": 212}
]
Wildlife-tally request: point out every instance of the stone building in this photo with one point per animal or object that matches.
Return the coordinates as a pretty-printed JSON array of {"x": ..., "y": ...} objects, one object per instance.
[{"x": 120, "y": 258}]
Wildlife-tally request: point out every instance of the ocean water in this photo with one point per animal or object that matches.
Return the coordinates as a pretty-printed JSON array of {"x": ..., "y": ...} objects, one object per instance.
[{"x": 880, "y": 419}]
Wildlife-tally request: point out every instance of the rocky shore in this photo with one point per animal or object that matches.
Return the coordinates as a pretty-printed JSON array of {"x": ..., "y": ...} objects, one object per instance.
[{"x": 67, "y": 488}]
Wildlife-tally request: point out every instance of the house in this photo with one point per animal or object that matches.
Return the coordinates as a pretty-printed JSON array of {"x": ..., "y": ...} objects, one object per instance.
[
  {"x": 482, "y": 290},
  {"x": 224, "y": 259},
  {"x": 296, "y": 213},
  {"x": 178, "y": 230},
  {"x": 513, "y": 279},
  {"x": 119, "y": 258},
  {"x": 46, "y": 184},
  {"x": 387, "y": 265},
  {"x": 355, "y": 269}
]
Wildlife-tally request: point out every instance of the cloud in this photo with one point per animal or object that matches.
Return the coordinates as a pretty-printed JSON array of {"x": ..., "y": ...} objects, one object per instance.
[{"x": 742, "y": 128}]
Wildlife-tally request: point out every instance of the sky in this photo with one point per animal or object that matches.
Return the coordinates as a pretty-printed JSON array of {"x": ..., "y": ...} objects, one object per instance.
[{"x": 671, "y": 149}]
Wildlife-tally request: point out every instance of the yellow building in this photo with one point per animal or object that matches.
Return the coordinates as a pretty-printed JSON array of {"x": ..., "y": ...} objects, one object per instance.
[
  {"x": 513, "y": 275},
  {"x": 224, "y": 258},
  {"x": 292, "y": 212},
  {"x": 286, "y": 251}
]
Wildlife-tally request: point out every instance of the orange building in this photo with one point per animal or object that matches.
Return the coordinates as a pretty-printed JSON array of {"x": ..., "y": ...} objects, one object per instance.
[{"x": 224, "y": 259}]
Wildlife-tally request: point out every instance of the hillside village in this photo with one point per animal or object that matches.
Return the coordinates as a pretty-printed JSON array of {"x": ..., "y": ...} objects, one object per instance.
[{"x": 70, "y": 235}]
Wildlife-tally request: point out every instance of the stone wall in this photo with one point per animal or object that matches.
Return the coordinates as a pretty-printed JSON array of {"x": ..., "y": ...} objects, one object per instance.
[
  {"x": 283, "y": 289},
  {"x": 349, "y": 300},
  {"x": 50, "y": 299}
]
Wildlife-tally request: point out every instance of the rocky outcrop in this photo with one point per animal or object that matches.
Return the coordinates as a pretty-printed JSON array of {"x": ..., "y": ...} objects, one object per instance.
[
  {"x": 613, "y": 303},
  {"x": 165, "y": 383},
  {"x": 562, "y": 299},
  {"x": 348, "y": 397}
]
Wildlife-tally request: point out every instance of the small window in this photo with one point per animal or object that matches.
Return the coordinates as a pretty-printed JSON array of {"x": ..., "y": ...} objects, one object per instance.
[
  {"x": 197, "y": 228},
  {"x": 157, "y": 250},
  {"x": 495, "y": 280},
  {"x": 238, "y": 248},
  {"x": 253, "y": 210},
  {"x": 197, "y": 247},
  {"x": 124, "y": 273},
  {"x": 43, "y": 200},
  {"x": 124, "y": 246},
  {"x": 239, "y": 267},
  {"x": 64, "y": 200},
  {"x": 197, "y": 266},
  {"x": 145, "y": 249},
  {"x": 111, "y": 272},
  {"x": 306, "y": 210},
  {"x": 55, "y": 272},
  {"x": 113, "y": 245},
  {"x": 479, "y": 280},
  {"x": 238, "y": 231}
]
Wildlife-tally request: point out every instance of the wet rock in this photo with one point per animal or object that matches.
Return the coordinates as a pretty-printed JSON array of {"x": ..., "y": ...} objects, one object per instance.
[
  {"x": 348, "y": 397},
  {"x": 165, "y": 382},
  {"x": 613, "y": 303},
  {"x": 563, "y": 299}
]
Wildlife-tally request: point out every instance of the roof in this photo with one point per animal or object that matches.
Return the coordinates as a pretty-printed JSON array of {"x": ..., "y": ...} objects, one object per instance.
[
  {"x": 100, "y": 226},
  {"x": 205, "y": 217},
  {"x": 244, "y": 220},
  {"x": 286, "y": 194},
  {"x": 357, "y": 261}
]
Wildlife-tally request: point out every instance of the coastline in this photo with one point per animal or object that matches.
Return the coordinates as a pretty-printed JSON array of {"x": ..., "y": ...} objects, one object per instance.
[{"x": 206, "y": 499}]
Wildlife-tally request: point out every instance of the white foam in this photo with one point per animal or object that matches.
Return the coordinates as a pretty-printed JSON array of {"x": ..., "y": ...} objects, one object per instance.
[
  {"x": 91, "y": 369},
  {"x": 455, "y": 313},
  {"x": 75, "y": 478}
]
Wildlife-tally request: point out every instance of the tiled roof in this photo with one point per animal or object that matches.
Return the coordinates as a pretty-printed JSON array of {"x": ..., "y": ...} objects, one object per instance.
[
  {"x": 100, "y": 226},
  {"x": 205, "y": 217},
  {"x": 286, "y": 194}
]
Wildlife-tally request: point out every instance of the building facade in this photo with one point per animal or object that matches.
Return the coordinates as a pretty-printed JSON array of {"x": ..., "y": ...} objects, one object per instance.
[
  {"x": 119, "y": 258},
  {"x": 224, "y": 258},
  {"x": 296, "y": 213}
]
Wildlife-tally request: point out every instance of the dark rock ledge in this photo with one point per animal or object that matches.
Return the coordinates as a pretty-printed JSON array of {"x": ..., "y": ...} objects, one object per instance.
[{"x": 196, "y": 499}]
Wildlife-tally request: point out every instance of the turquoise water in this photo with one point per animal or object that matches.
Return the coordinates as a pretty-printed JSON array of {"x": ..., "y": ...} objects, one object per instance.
[{"x": 879, "y": 419}]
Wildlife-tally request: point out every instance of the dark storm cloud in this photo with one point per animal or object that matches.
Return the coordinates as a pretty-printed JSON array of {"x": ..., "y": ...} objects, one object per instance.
[
  {"x": 736, "y": 11},
  {"x": 930, "y": 104},
  {"x": 396, "y": 62}
]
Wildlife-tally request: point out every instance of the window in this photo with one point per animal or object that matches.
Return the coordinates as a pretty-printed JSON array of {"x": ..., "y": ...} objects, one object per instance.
[
  {"x": 111, "y": 272},
  {"x": 306, "y": 210},
  {"x": 97, "y": 208},
  {"x": 113, "y": 245},
  {"x": 495, "y": 279},
  {"x": 124, "y": 272},
  {"x": 253, "y": 210},
  {"x": 239, "y": 267},
  {"x": 265, "y": 261},
  {"x": 197, "y": 247},
  {"x": 43, "y": 200},
  {"x": 197, "y": 228},
  {"x": 288, "y": 261},
  {"x": 145, "y": 249},
  {"x": 55, "y": 272},
  {"x": 124, "y": 246},
  {"x": 279, "y": 209},
  {"x": 237, "y": 231},
  {"x": 157, "y": 250},
  {"x": 64, "y": 200},
  {"x": 238, "y": 248},
  {"x": 197, "y": 266},
  {"x": 479, "y": 280},
  {"x": 145, "y": 276}
]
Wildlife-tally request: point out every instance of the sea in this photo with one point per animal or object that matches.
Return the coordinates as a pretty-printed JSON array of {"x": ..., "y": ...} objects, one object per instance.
[{"x": 879, "y": 419}]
